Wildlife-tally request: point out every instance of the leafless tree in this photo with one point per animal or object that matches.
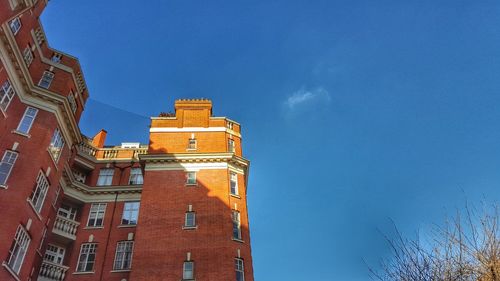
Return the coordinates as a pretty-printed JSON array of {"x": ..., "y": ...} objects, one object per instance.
[{"x": 465, "y": 248}]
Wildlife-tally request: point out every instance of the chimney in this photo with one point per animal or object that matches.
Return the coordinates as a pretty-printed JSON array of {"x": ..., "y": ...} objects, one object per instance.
[{"x": 99, "y": 139}]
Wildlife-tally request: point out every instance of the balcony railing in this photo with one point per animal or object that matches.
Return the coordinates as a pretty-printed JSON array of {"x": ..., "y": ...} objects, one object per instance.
[
  {"x": 52, "y": 271},
  {"x": 87, "y": 149},
  {"x": 79, "y": 176},
  {"x": 65, "y": 227},
  {"x": 111, "y": 153}
]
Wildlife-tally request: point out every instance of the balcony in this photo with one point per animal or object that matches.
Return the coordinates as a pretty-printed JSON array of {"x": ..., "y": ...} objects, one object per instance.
[
  {"x": 111, "y": 152},
  {"x": 65, "y": 227},
  {"x": 87, "y": 149},
  {"x": 50, "y": 271}
]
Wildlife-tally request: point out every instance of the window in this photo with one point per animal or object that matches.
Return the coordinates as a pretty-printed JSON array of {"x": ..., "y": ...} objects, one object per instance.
[
  {"x": 236, "y": 225},
  {"x": 96, "y": 215},
  {"x": 240, "y": 270},
  {"x": 130, "y": 213},
  {"x": 72, "y": 101},
  {"x": 56, "y": 144},
  {"x": 46, "y": 79},
  {"x": 234, "y": 183},
  {"x": 42, "y": 240},
  {"x": 15, "y": 25},
  {"x": 54, "y": 254},
  {"x": 123, "y": 256},
  {"x": 6, "y": 95},
  {"x": 18, "y": 249},
  {"x": 190, "y": 220},
  {"x": 86, "y": 259},
  {"x": 105, "y": 177},
  {"x": 8, "y": 160},
  {"x": 229, "y": 125},
  {"x": 230, "y": 145},
  {"x": 56, "y": 58},
  {"x": 188, "y": 270},
  {"x": 67, "y": 212},
  {"x": 27, "y": 120},
  {"x": 136, "y": 176},
  {"x": 28, "y": 55},
  {"x": 191, "y": 144},
  {"x": 56, "y": 197},
  {"x": 38, "y": 195},
  {"x": 191, "y": 178}
]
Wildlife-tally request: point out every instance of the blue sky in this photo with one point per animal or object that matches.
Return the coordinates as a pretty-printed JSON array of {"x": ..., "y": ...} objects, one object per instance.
[{"x": 353, "y": 112}]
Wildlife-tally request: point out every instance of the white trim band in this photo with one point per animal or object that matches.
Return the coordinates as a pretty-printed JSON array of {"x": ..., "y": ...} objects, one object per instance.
[
  {"x": 185, "y": 166},
  {"x": 192, "y": 129},
  {"x": 186, "y": 129}
]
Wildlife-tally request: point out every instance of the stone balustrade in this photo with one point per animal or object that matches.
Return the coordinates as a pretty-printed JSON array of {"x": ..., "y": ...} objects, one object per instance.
[{"x": 52, "y": 271}]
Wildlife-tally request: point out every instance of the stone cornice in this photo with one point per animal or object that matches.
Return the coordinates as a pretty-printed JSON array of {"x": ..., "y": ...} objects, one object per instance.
[
  {"x": 85, "y": 193},
  {"x": 195, "y": 158},
  {"x": 34, "y": 95}
]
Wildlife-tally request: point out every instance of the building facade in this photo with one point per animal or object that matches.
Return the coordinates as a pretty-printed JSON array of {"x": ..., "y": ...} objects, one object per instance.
[{"x": 77, "y": 209}]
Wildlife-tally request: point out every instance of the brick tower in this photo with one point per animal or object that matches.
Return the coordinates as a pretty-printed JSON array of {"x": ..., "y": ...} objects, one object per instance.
[{"x": 193, "y": 216}]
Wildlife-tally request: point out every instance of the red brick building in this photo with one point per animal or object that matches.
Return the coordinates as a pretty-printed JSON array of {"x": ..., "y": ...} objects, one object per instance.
[{"x": 75, "y": 209}]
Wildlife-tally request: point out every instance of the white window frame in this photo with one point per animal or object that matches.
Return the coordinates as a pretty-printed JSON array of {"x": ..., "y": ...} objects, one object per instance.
[
  {"x": 105, "y": 177},
  {"x": 231, "y": 147},
  {"x": 72, "y": 101},
  {"x": 46, "y": 79},
  {"x": 56, "y": 145},
  {"x": 15, "y": 25},
  {"x": 191, "y": 178},
  {"x": 6, "y": 95},
  {"x": 54, "y": 254},
  {"x": 188, "y": 274},
  {"x": 42, "y": 240},
  {"x": 130, "y": 210},
  {"x": 28, "y": 55},
  {"x": 86, "y": 250},
  {"x": 58, "y": 191},
  {"x": 233, "y": 179},
  {"x": 187, "y": 219},
  {"x": 192, "y": 144},
  {"x": 124, "y": 250},
  {"x": 136, "y": 176},
  {"x": 27, "y": 117},
  {"x": 18, "y": 249},
  {"x": 67, "y": 212},
  {"x": 239, "y": 267},
  {"x": 8, "y": 160},
  {"x": 56, "y": 57},
  {"x": 39, "y": 193},
  {"x": 236, "y": 217},
  {"x": 96, "y": 209}
]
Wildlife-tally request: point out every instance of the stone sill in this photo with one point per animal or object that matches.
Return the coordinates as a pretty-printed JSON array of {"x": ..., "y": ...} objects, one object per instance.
[
  {"x": 10, "y": 270},
  {"x": 190, "y": 227},
  {"x": 21, "y": 133},
  {"x": 235, "y": 196},
  {"x": 237, "y": 240},
  {"x": 120, "y": 270},
  {"x": 127, "y": 225},
  {"x": 83, "y": 272}
]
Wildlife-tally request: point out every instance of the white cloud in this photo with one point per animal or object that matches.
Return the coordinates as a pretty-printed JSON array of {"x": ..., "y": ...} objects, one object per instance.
[{"x": 302, "y": 97}]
